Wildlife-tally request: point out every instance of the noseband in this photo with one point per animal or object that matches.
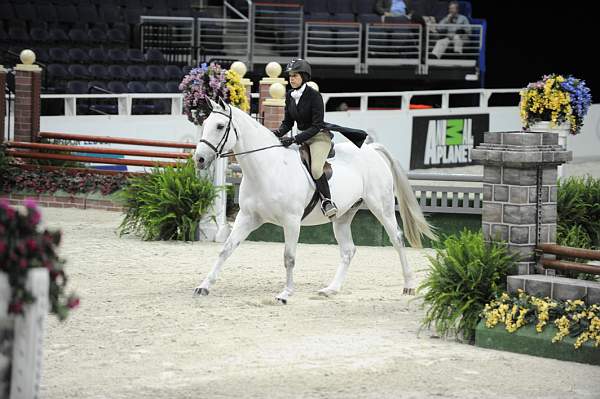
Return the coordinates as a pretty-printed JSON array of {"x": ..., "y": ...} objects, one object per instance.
[{"x": 221, "y": 144}]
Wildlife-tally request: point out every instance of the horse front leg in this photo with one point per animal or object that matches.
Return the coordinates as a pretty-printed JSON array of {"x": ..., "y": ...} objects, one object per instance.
[
  {"x": 291, "y": 232},
  {"x": 244, "y": 225}
]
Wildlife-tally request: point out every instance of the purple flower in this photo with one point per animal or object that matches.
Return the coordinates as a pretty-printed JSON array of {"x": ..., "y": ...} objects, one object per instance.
[{"x": 29, "y": 203}]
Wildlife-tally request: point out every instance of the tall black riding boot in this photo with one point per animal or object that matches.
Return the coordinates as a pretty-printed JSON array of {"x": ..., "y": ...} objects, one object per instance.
[{"x": 327, "y": 206}]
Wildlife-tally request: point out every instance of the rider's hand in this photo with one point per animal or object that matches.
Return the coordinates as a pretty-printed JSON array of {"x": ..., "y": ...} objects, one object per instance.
[
  {"x": 286, "y": 141},
  {"x": 276, "y": 132}
]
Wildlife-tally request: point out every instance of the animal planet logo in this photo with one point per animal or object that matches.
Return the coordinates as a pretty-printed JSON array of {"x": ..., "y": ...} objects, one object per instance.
[
  {"x": 446, "y": 140},
  {"x": 449, "y": 141}
]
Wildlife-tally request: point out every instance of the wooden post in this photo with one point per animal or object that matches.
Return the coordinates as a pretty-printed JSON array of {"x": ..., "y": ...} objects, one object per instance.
[{"x": 28, "y": 84}]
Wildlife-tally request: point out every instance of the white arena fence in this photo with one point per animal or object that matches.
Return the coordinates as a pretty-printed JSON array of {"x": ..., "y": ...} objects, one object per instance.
[{"x": 27, "y": 334}]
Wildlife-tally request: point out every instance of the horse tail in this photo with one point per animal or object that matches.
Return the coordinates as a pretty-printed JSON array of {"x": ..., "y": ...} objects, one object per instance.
[{"x": 413, "y": 220}]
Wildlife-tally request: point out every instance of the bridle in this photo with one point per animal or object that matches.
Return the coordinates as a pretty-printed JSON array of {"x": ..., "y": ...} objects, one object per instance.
[{"x": 221, "y": 144}]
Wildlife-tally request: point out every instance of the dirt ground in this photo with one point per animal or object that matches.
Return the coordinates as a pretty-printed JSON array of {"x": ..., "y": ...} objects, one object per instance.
[{"x": 140, "y": 333}]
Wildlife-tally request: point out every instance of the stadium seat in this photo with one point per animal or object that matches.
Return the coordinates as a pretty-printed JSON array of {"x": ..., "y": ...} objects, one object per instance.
[
  {"x": 77, "y": 87},
  {"x": 117, "y": 87},
  {"x": 98, "y": 55},
  {"x": 58, "y": 35},
  {"x": 173, "y": 72},
  {"x": 155, "y": 72},
  {"x": 117, "y": 72},
  {"x": 59, "y": 55},
  {"x": 156, "y": 87},
  {"x": 117, "y": 56},
  {"x": 172, "y": 86},
  {"x": 135, "y": 55},
  {"x": 97, "y": 71},
  {"x": 155, "y": 56},
  {"x": 78, "y": 71},
  {"x": 79, "y": 36},
  {"x": 136, "y": 72},
  {"x": 97, "y": 35}
]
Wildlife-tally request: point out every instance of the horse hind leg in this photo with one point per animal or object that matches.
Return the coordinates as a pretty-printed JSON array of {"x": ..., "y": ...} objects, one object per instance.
[
  {"x": 387, "y": 217},
  {"x": 343, "y": 235},
  {"x": 243, "y": 226}
]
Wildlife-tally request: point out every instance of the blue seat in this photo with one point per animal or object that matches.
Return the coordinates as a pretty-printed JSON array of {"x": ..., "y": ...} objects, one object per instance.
[
  {"x": 117, "y": 56},
  {"x": 77, "y": 87},
  {"x": 58, "y": 35},
  {"x": 59, "y": 55},
  {"x": 117, "y": 72},
  {"x": 97, "y": 35},
  {"x": 39, "y": 35},
  {"x": 156, "y": 87},
  {"x": 117, "y": 87},
  {"x": 116, "y": 36},
  {"x": 57, "y": 72},
  {"x": 78, "y": 55},
  {"x": 173, "y": 86},
  {"x": 47, "y": 12},
  {"x": 79, "y": 36},
  {"x": 98, "y": 71},
  {"x": 18, "y": 34},
  {"x": 173, "y": 72},
  {"x": 78, "y": 71},
  {"x": 135, "y": 55},
  {"x": 136, "y": 72},
  {"x": 155, "y": 72},
  {"x": 98, "y": 55},
  {"x": 155, "y": 56}
]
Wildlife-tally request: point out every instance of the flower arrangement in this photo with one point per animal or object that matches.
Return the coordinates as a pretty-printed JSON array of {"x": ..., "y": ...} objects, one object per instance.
[
  {"x": 23, "y": 247},
  {"x": 572, "y": 318},
  {"x": 557, "y": 99},
  {"x": 213, "y": 82}
]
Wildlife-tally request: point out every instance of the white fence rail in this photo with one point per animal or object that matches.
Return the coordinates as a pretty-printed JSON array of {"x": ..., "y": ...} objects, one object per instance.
[
  {"x": 223, "y": 38},
  {"x": 454, "y": 45},
  {"x": 393, "y": 44},
  {"x": 173, "y": 36},
  {"x": 333, "y": 43}
]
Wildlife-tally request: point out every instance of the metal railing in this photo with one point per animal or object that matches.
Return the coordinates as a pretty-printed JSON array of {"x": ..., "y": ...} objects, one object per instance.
[
  {"x": 223, "y": 38},
  {"x": 173, "y": 36},
  {"x": 333, "y": 43},
  {"x": 393, "y": 44},
  {"x": 461, "y": 44},
  {"x": 277, "y": 32}
]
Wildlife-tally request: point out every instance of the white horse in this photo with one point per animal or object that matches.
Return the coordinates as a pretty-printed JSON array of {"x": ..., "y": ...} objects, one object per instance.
[{"x": 276, "y": 188}]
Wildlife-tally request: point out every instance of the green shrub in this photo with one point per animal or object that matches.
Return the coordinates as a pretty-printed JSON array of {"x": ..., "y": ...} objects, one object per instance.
[
  {"x": 579, "y": 204},
  {"x": 577, "y": 237},
  {"x": 465, "y": 274},
  {"x": 166, "y": 204}
]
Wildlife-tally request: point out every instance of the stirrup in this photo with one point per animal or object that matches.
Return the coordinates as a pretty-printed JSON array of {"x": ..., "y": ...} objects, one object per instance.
[{"x": 328, "y": 208}]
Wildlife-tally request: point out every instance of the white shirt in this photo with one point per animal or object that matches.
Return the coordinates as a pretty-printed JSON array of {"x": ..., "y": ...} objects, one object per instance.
[{"x": 297, "y": 93}]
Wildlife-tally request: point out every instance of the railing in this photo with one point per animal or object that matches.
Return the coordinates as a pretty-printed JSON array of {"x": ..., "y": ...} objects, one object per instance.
[
  {"x": 461, "y": 44},
  {"x": 406, "y": 96},
  {"x": 333, "y": 43},
  {"x": 570, "y": 252},
  {"x": 173, "y": 36},
  {"x": 276, "y": 32},
  {"x": 124, "y": 101},
  {"x": 393, "y": 44},
  {"x": 219, "y": 38}
]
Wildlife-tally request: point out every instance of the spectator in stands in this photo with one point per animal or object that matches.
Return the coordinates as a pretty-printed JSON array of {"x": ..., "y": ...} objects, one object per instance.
[
  {"x": 392, "y": 8},
  {"x": 456, "y": 34}
]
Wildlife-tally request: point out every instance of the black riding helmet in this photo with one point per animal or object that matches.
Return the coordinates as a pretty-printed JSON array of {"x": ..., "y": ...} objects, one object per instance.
[{"x": 299, "y": 66}]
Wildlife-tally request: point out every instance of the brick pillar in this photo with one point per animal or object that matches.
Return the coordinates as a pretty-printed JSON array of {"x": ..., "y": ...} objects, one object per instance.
[
  {"x": 28, "y": 83},
  {"x": 274, "y": 107},
  {"x": 273, "y": 70},
  {"x": 2, "y": 102},
  {"x": 511, "y": 161}
]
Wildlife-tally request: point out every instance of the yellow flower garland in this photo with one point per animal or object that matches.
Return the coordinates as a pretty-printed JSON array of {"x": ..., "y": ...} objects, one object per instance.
[{"x": 237, "y": 91}]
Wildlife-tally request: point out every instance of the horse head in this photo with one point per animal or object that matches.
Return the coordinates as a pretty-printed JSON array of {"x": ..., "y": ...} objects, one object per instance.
[{"x": 219, "y": 135}]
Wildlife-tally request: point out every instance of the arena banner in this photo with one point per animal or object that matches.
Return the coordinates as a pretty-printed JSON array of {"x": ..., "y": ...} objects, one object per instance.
[{"x": 446, "y": 140}]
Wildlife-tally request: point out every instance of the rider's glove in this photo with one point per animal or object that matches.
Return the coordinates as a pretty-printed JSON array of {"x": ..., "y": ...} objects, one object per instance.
[{"x": 286, "y": 141}]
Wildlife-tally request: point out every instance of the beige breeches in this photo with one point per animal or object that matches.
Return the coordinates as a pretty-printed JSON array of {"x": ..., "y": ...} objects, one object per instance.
[{"x": 320, "y": 145}]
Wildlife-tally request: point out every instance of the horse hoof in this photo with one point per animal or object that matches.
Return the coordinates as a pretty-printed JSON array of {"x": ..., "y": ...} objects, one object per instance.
[
  {"x": 326, "y": 293},
  {"x": 281, "y": 300},
  {"x": 201, "y": 291},
  {"x": 408, "y": 291}
]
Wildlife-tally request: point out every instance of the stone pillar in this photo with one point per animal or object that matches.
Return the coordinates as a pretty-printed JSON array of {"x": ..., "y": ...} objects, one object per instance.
[
  {"x": 273, "y": 70},
  {"x": 510, "y": 173},
  {"x": 28, "y": 84},
  {"x": 2, "y": 102},
  {"x": 241, "y": 69},
  {"x": 274, "y": 107}
]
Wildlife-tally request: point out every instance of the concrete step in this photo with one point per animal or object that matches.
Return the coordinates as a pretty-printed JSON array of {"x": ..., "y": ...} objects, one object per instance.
[{"x": 560, "y": 288}]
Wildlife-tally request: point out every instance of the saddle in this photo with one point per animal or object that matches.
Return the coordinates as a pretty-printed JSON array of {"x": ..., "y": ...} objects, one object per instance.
[
  {"x": 327, "y": 171},
  {"x": 305, "y": 156}
]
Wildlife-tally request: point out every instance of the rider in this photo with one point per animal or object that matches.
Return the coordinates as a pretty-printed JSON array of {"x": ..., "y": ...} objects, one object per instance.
[{"x": 304, "y": 105}]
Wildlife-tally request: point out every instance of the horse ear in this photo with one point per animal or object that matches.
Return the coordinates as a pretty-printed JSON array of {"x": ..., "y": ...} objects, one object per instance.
[
  {"x": 211, "y": 104},
  {"x": 223, "y": 104}
]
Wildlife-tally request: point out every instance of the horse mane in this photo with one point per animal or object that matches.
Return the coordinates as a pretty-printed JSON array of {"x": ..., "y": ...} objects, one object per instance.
[{"x": 252, "y": 121}]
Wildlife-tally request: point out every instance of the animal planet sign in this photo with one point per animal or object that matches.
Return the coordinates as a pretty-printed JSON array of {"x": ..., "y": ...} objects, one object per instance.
[{"x": 443, "y": 141}]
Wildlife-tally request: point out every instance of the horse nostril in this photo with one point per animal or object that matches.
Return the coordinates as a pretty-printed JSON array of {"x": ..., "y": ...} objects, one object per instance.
[{"x": 201, "y": 161}]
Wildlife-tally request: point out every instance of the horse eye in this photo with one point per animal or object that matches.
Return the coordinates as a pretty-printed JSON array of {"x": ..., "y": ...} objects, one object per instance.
[{"x": 220, "y": 126}]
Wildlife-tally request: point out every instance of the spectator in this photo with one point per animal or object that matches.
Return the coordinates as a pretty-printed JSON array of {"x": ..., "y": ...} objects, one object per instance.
[
  {"x": 392, "y": 8},
  {"x": 455, "y": 33}
]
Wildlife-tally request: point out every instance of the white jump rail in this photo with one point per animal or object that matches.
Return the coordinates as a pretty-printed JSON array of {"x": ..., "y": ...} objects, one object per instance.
[{"x": 28, "y": 335}]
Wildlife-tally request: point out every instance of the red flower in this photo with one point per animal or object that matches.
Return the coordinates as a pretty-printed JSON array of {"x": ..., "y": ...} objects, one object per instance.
[
  {"x": 16, "y": 307},
  {"x": 73, "y": 302},
  {"x": 31, "y": 244},
  {"x": 2, "y": 247},
  {"x": 23, "y": 264}
]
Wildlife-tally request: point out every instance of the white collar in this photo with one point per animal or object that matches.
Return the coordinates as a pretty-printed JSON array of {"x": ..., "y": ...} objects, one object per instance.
[{"x": 297, "y": 93}]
